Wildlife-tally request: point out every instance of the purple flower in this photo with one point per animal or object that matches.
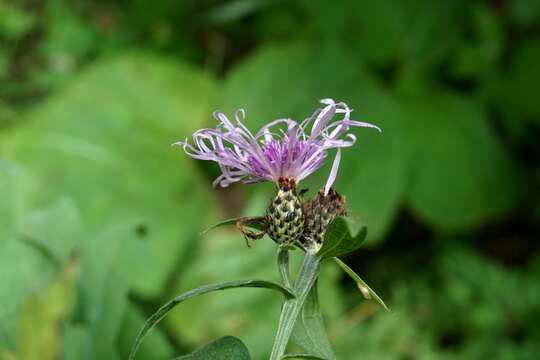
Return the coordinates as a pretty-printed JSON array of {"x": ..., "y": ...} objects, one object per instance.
[{"x": 282, "y": 149}]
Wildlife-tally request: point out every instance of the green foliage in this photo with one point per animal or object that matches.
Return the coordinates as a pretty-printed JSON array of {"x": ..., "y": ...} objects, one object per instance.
[
  {"x": 222, "y": 349},
  {"x": 364, "y": 288},
  {"x": 338, "y": 239},
  {"x": 470, "y": 163},
  {"x": 76, "y": 144},
  {"x": 38, "y": 335},
  {"x": 254, "y": 223},
  {"x": 93, "y": 93},
  {"x": 14, "y": 21},
  {"x": 164, "y": 310},
  {"x": 310, "y": 332}
]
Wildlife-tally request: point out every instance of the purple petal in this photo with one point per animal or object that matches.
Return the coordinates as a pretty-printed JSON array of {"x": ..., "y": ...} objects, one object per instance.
[
  {"x": 333, "y": 172},
  {"x": 274, "y": 151}
]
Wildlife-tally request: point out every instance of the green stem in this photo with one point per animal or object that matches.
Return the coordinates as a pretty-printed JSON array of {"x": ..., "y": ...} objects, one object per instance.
[
  {"x": 291, "y": 307},
  {"x": 283, "y": 266}
]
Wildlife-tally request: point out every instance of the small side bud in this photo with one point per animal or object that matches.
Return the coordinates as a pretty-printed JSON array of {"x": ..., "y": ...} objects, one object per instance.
[{"x": 318, "y": 214}]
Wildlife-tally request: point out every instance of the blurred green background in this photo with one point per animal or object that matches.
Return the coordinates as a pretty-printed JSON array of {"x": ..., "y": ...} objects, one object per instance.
[{"x": 100, "y": 218}]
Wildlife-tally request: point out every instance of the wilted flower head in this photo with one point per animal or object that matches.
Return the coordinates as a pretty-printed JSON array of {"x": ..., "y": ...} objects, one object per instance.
[
  {"x": 282, "y": 149},
  {"x": 319, "y": 212}
]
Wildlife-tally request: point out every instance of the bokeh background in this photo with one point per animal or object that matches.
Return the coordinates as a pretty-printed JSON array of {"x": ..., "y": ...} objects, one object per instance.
[{"x": 100, "y": 218}]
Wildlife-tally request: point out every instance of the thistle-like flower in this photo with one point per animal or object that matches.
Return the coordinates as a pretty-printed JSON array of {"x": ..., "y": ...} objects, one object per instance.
[{"x": 283, "y": 151}]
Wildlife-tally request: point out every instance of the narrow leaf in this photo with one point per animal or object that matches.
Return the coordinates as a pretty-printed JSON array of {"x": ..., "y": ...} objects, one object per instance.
[
  {"x": 256, "y": 222},
  {"x": 162, "y": 311},
  {"x": 338, "y": 239},
  {"x": 302, "y": 356},
  {"x": 226, "y": 348},
  {"x": 309, "y": 332},
  {"x": 366, "y": 291}
]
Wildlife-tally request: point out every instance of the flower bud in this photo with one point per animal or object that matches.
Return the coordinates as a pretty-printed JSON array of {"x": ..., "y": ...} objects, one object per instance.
[{"x": 318, "y": 214}]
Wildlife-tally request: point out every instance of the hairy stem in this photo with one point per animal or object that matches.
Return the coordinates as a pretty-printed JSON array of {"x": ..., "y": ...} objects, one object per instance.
[{"x": 291, "y": 307}]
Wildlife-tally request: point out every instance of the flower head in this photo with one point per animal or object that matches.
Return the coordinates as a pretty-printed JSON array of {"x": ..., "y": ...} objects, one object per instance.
[
  {"x": 282, "y": 149},
  {"x": 318, "y": 213}
]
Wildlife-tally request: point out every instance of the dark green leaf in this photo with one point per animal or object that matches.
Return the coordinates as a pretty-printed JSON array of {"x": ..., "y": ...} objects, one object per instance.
[
  {"x": 366, "y": 291},
  {"x": 395, "y": 31},
  {"x": 309, "y": 332},
  {"x": 162, "y": 312},
  {"x": 374, "y": 172},
  {"x": 235, "y": 10},
  {"x": 226, "y": 348},
  {"x": 524, "y": 13},
  {"x": 516, "y": 93},
  {"x": 338, "y": 239},
  {"x": 462, "y": 176}
]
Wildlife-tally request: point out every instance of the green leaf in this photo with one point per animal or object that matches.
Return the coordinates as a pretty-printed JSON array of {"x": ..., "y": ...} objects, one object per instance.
[
  {"x": 101, "y": 156},
  {"x": 524, "y": 13},
  {"x": 156, "y": 344},
  {"x": 226, "y": 348},
  {"x": 254, "y": 222},
  {"x": 373, "y": 173},
  {"x": 247, "y": 314},
  {"x": 394, "y": 31},
  {"x": 310, "y": 332},
  {"x": 103, "y": 288},
  {"x": 14, "y": 21},
  {"x": 462, "y": 175},
  {"x": 24, "y": 270},
  {"x": 38, "y": 335},
  {"x": 302, "y": 356},
  {"x": 162, "y": 312},
  {"x": 292, "y": 308},
  {"x": 54, "y": 231},
  {"x": 366, "y": 291},
  {"x": 338, "y": 239},
  {"x": 515, "y": 96},
  {"x": 76, "y": 342}
]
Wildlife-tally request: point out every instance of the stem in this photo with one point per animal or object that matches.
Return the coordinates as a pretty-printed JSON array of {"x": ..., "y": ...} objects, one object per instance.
[
  {"x": 283, "y": 266},
  {"x": 291, "y": 307}
]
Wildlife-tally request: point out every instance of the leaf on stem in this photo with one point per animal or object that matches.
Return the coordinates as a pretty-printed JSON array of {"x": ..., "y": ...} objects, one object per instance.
[
  {"x": 309, "y": 332},
  {"x": 254, "y": 222},
  {"x": 366, "y": 291},
  {"x": 338, "y": 239},
  {"x": 226, "y": 348},
  {"x": 162, "y": 311}
]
